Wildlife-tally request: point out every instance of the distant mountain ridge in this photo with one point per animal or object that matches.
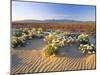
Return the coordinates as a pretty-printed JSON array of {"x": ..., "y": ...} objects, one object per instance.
[{"x": 50, "y": 21}]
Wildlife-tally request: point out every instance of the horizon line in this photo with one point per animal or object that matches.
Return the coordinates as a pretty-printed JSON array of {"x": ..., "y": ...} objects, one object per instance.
[{"x": 53, "y": 19}]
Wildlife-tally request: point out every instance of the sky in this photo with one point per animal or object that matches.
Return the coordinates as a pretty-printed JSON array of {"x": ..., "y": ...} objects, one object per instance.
[{"x": 22, "y": 10}]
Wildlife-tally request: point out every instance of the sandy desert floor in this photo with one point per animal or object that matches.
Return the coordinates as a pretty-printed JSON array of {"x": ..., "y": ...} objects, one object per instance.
[{"x": 33, "y": 61}]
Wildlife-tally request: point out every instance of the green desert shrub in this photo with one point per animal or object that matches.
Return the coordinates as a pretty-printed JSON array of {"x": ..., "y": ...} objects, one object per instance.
[
  {"x": 66, "y": 33},
  {"x": 17, "y": 42},
  {"x": 49, "y": 50},
  {"x": 26, "y": 31},
  {"x": 70, "y": 40},
  {"x": 87, "y": 49},
  {"x": 17, "y": 34},
  {"x": 37, "y": 32},
  {"x": 49, "y": 38},
  {"x": 13, "y": 41},
  {"x": 83, "y": 38}
]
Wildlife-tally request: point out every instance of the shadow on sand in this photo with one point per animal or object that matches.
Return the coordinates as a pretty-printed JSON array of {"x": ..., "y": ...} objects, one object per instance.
[
  {"x": 69, "y": 51},
  {"x": 35, "y": 44}
]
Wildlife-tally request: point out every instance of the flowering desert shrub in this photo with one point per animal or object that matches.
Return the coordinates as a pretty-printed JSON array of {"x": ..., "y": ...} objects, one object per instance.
[
  {"x": 87, "y": 49},
  {"x": 17, "y": 41},
  {"x": 83, "y": 38},
  {"x": 49, "y": 38}
]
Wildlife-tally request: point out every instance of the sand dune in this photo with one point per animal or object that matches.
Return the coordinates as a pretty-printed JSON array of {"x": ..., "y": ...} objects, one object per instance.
[{"x": 33, "y": 61}]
